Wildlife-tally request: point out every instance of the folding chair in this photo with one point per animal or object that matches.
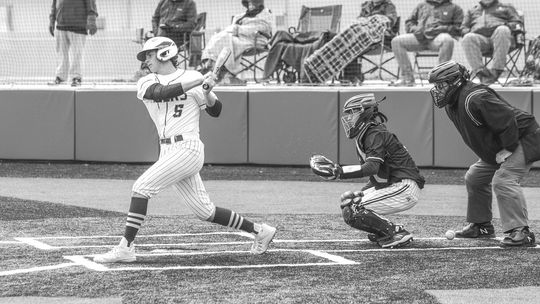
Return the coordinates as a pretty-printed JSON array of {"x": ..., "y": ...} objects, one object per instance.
[
  {"x": 191, "y": 51},
  {"x": 253, "y": 57},
  {"x": 318, "y": 19},
  {"x": 512, "y": 58},
  {"x": 382, "y": 49},
  {"x": 312, "y": 20},
  {"x": 423, "y": 68}
]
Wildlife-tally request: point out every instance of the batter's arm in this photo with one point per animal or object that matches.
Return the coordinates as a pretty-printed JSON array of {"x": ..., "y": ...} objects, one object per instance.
[
  {"x": 213, "y": 105},
  {"x": 159, "y": 92}
]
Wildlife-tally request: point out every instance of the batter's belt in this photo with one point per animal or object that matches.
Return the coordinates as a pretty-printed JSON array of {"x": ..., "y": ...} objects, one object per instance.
[{"x": 177, "y": 138}]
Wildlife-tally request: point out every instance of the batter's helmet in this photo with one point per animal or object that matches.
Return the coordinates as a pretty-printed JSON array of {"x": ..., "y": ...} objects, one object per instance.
[
  {"x": 447, "y": 78},
  {"x": 166, "y": 48},
  {"x": 357, "y": 111}
]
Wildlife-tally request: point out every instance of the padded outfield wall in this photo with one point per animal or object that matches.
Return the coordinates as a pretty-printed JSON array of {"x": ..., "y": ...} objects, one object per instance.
[{"x": 258, "y": 125}]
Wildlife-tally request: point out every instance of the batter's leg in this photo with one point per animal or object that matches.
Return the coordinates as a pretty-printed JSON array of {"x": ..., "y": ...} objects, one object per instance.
[{"x": 192, "y": 190}]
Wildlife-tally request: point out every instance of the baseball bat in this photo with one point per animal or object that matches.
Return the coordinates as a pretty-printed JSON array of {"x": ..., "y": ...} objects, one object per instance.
[{"x": 220, "y": 61}]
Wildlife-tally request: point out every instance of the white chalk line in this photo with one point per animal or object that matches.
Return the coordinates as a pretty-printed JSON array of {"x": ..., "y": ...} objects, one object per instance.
[{"x": 36, "y": 269}]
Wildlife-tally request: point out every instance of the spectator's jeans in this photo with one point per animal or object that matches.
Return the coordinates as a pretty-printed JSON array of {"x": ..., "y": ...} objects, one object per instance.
[
  {"x": 443, "y": 43},
  {"x": 474, "y": 45},
  {"x": 482, "y": 177},
  {"x": 69, "y": 47}
]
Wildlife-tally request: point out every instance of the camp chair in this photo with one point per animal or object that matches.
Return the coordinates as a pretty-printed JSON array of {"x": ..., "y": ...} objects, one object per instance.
[
  {"x": 191, "y": 51},
  {"x": 384, "y": 50},
  {"x": 312, "y": 20}
]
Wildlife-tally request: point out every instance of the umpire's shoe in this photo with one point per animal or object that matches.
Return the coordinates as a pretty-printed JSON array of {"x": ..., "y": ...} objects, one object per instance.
[
  {"x": 477, "y": 230},
  {"x": 400, "y": 238},
  {"x": 520, "y": 236}
]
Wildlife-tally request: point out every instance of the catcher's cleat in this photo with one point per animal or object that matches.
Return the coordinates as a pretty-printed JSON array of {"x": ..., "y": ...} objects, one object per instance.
[
  {"x": 119, "y": 254},
  {"x": 521, "y": 236},
  {"x": 476, "y": 230},
  {"x": 263, "y": 239},
  {"x": 377, "y": 238},
  {"x": 399, "y": 239}
]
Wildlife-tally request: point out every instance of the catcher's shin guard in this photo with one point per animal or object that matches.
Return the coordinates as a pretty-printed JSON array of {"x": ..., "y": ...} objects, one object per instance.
[{"x": 367, "y": 220}]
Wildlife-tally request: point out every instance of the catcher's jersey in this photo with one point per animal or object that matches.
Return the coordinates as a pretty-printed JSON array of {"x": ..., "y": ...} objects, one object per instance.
[
  {"x": 378, "y": 144},
  {"x": 179, "y": 115}
]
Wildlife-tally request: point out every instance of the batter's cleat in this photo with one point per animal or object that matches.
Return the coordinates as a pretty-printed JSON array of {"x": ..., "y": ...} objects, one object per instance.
[
  {"x": 399, "y": 239},
  {"x": 263, "y": 239},
  {"x": 119, "y": 254},
  {"x": 520, "y": 236},
  {"x": 477, "y": 230}
]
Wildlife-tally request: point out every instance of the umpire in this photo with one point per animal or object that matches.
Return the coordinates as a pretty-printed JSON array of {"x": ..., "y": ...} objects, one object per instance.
[{"x": 507, "y": 141}]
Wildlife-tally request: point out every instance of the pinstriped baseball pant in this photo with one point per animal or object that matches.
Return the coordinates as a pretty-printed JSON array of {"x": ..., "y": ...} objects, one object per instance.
[
  {"x": 178, "y": 166},
  {"x": 392, "y": 199},
  {"x": 474, "y": 45}
]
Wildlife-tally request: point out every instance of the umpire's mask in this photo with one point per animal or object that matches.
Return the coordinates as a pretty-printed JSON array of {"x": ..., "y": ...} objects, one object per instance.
[{"x": 447, "y": 78}]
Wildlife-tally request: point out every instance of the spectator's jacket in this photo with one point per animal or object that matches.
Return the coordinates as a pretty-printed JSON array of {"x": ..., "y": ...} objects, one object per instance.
[
  {"x": 484, "y": 20},
  {"x": 487, "y": 123},
  {"x": 433, "y": 17},
  {"x": 249, "y": 26},
  {"x": 176, "y": 16},
  {"x": 73, "y": 15},
  {"x": 385, "y": 8}
]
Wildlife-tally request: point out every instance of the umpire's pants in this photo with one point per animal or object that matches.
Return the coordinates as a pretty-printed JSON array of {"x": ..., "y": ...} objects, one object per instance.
[{"x": 505, "y": 180}]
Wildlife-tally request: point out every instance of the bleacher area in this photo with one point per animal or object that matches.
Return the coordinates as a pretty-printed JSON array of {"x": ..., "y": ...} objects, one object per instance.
[{"x": 29, "y": 51}]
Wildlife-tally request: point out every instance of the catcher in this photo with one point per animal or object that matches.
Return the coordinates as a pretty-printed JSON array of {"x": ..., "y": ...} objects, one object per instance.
[{"x": 394, "y": 180}]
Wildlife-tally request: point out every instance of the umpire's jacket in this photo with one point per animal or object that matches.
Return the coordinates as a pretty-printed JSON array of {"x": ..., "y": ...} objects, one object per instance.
[{"x": 489, "y": 124}]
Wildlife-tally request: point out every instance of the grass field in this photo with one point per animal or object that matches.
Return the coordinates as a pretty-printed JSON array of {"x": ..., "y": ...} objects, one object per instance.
[{"x": 46, "y": 249}]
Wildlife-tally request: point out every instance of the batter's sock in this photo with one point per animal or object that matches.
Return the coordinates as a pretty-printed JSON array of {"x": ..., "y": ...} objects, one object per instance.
[
  {"x": 231, "y": 219},
  {"x": 135, "y": 218}
]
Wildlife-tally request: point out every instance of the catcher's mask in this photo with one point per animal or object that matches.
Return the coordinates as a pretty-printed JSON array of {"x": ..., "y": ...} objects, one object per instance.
[
  {"x": 357, "y": 112},
  {"x": 447, "y": 78},
  {"x": 166, "y": 49}
]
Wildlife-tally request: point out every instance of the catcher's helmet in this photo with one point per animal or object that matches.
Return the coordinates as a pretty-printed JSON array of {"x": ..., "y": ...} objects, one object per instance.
[
  {"x": 166, "y": 48},
  {"x": 447, "y": 78},
  {"x": 357, "y": 111}
]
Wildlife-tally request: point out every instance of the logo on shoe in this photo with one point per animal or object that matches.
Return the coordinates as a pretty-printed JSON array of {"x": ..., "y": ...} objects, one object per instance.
[{"x": 483, "y": 231}]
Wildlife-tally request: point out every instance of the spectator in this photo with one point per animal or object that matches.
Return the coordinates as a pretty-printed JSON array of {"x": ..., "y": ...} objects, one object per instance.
[
  {"x": 352, "y": 73},
  {"x": 74, "y": 20},
  {"x": 433, "y": 25},
  {"x": 487, "y": 29},
  {"x": 239, "y": 36},
  {"x": 507, "y": 141},
  {"x": 175, "y": 19}
]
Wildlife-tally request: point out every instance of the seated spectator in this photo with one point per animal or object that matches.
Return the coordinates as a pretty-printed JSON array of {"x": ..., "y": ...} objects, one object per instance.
[
  {"x": 174, "y": 19},
  {"x": 487, "y": 29},
  {"x": 239, "y": 36},
  {"x": 433, "y": 25},
  {"x": 353, "y": 71}
]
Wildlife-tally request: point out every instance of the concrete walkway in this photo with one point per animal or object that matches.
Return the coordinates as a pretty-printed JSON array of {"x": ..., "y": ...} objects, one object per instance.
[{"x": 262, "y": 197}]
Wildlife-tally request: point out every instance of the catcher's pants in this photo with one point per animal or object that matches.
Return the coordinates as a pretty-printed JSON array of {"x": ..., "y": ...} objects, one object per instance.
[
  {"x": 504, "y": 179},
  {"x": 179, "y": 165},
  {"x": 392, "y": 199},
  {"x": 70, "y": 48}
]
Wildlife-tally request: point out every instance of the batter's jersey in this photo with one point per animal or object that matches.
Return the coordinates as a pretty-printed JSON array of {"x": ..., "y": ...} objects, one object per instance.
[
  {"x": 379, "y": 145},
  {"x": 179, "y": 115}
]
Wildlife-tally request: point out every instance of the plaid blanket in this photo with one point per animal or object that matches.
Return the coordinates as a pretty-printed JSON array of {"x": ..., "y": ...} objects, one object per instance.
[{"x": 330, "y": 59}]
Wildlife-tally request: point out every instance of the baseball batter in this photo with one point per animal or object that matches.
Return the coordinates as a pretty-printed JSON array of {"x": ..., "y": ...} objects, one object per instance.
[
  {"x": 394, "y": 180},
  {"x": 174, "y": 99}
]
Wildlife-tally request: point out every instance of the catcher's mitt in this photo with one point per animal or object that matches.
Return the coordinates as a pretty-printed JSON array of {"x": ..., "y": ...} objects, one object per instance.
[{"x": 324, "y": 167}]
